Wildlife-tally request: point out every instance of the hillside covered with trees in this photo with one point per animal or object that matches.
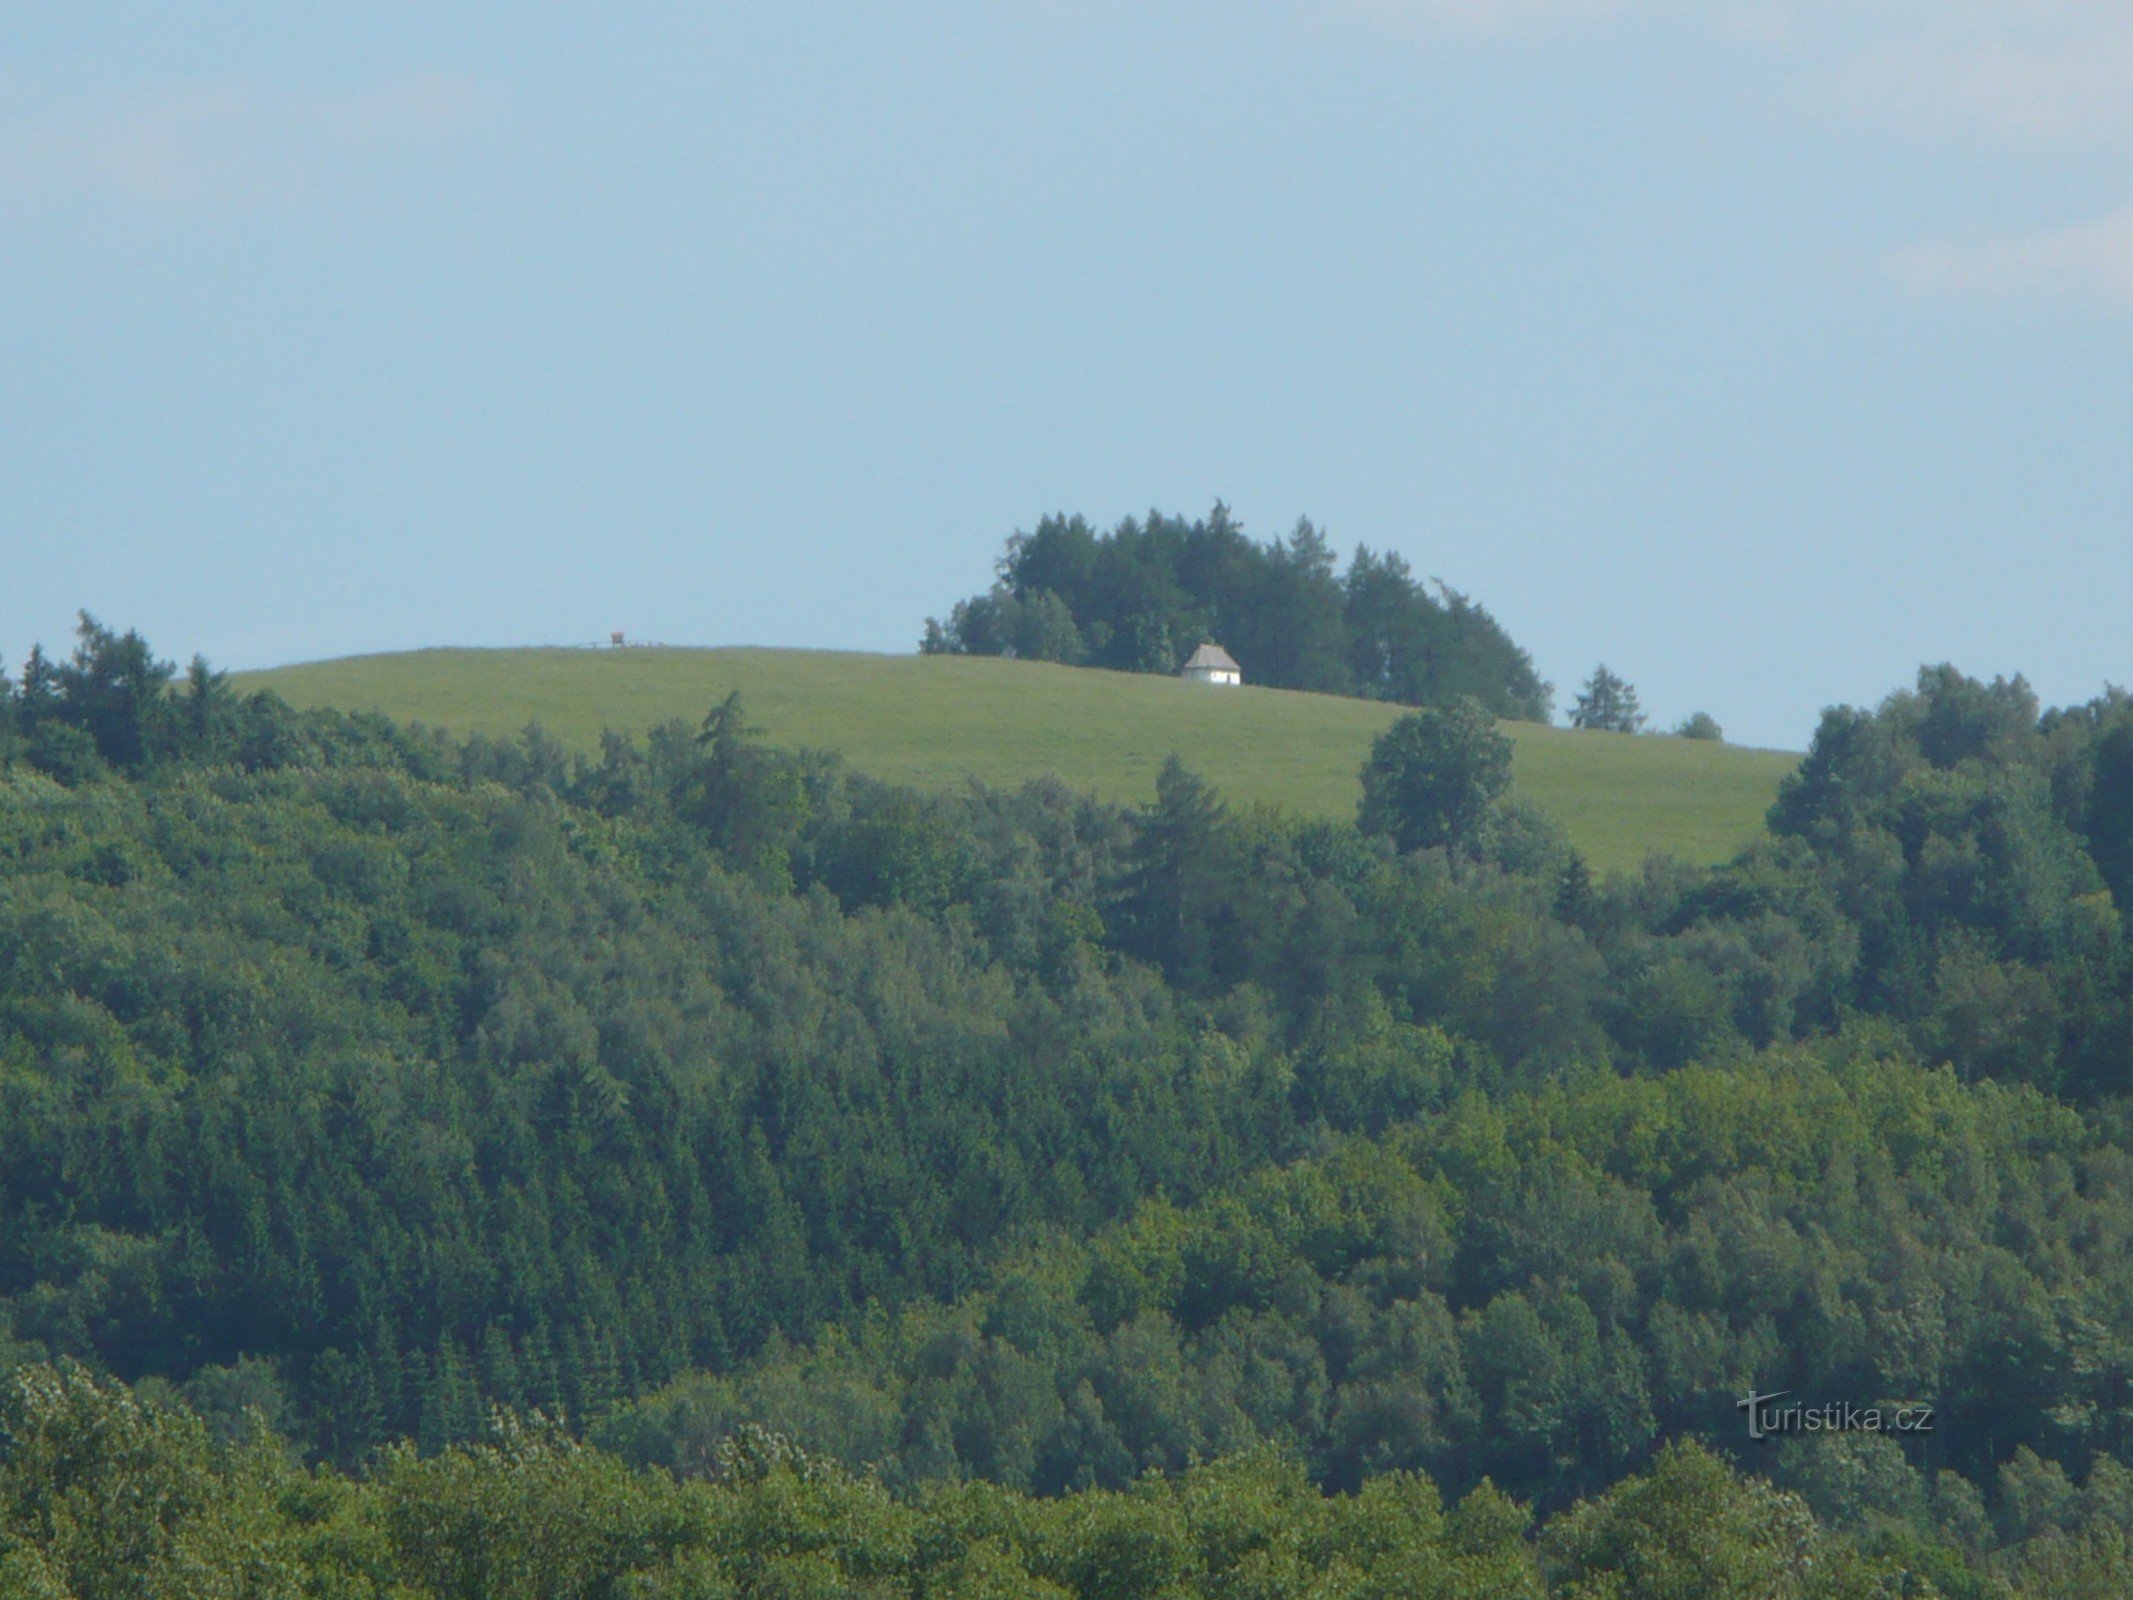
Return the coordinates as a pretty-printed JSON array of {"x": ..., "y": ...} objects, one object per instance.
[
  {"x": 925, "y": 1188},
  {"x": 1140, "y": 597}
]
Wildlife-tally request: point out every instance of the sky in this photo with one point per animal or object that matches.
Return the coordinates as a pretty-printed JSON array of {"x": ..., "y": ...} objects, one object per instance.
[{"x": 1764, "y": 350}]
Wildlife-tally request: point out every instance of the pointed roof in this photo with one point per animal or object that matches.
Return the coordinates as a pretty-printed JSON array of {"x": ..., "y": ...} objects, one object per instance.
[{"x": 1211, "y": 655}]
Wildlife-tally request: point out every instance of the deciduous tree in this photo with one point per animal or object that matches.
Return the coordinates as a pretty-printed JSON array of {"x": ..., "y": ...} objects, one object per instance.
[{"x": 1434, "y": 776}]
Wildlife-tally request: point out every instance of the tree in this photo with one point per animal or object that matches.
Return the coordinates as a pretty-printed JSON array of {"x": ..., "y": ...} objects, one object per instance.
[
  {"x": 1435, "y": 776},
  {"x": 107, "y": 1496},
  {"x": 1045, "y": 631},
  {"x": 1953, "y": 718},
  {"x": 1388, "y": 645},
  {"x": 748, "y": 799},
  {"x": 38, "y": 696},
  {"x": 1700, "y": 725},
  {"x": 211, "y": 707},
  {"x": 1608, "y": 705},
  {"x": 2109, "y": 819},
  {"x": 1289, "y": 622},
  {"x": 1693, "y": 1528},
  {"x": 113, "y": 689},
  {"x": 1173, "y": 897},
  {"x": 1037, "y": 626}
]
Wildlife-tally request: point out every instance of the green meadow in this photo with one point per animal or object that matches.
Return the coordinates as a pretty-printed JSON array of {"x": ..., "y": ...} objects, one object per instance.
[{"x": 939, "y": 720}]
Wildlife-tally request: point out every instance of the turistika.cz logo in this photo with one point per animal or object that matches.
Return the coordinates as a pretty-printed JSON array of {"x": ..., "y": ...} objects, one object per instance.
[{"x": 1767, "y": 1421}]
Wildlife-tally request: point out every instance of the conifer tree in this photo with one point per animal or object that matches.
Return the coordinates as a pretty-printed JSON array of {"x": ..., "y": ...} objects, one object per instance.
[{"x": 1608, "y": 704}]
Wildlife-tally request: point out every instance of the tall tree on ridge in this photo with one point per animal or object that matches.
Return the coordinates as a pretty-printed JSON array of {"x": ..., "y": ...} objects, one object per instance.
[{"x": 1607, "y": 705}]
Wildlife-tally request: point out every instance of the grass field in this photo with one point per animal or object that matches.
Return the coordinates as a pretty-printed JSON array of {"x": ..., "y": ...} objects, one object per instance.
[{"x": 936, "y": 720}]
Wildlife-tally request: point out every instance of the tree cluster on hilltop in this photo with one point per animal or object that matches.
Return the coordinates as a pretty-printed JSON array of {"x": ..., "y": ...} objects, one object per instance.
[{"x": 1140, "y": 597}]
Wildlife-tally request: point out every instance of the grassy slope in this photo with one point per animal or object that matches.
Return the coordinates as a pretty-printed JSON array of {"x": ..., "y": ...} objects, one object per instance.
[{"x": 934, "y": 720}]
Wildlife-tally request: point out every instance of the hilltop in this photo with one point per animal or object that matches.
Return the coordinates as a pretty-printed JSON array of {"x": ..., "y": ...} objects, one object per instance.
[{"x": 935, "y": 721}]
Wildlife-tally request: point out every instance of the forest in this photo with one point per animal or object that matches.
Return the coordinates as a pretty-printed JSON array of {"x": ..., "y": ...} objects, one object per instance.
[
  {"x": 1140, "y": 597},
  {"x": 449, "y": 1166}
]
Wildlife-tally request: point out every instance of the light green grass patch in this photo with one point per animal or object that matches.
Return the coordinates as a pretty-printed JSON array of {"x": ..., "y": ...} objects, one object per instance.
[{"x": 935, "y": 721}]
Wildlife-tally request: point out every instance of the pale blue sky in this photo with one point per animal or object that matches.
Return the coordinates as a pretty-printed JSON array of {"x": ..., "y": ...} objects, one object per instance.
[{"x": 1761, "y": 349}]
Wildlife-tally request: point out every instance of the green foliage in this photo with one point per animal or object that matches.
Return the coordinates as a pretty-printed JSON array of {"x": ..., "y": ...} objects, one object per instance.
[
  {"x": 1699, "y": 725},
  {"x": 1538, "y": 1289},
  {"x": 748, "y": 800},
  {"x": 1694, "y": 1530},
  {"x": 1435, "y": 777},
  {"x": 113, "y": 690},
  {"x": 1956, "y": 830},
  {"x": 1606, "y": 704},
  {"x": 104, "y": 1496},
  {"x": 2106, "y": 815},
  {"x": 532, "y": 1516},
  {"x": 439, "y": 1075},
  {"x": 1137, "y": 599},
  {"x": 1174, "y": 911},
  {"x": 368, "y": 1081},
  {"x": 530, "y": 1513},
  {"x": 1037, "y": 626},
  {"x": 432, "y": 1092}
]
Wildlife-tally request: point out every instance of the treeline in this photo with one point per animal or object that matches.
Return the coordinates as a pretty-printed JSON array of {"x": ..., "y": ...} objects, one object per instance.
[
  {"x": 371, "y": 1078},
  {"x": 1141, "y": 597},
  {"x": 104, "y": 1494}
]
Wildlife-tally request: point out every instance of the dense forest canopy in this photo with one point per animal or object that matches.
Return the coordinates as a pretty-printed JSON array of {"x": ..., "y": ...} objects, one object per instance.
[
  {"x": 961, "y": 1159},
  {"x": 1140, "y": 598}
]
